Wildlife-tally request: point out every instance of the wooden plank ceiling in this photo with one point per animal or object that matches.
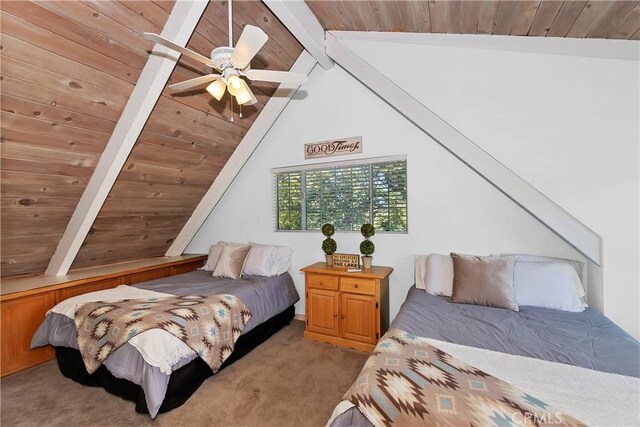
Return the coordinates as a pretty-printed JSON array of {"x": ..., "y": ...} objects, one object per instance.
[
  {"x": 578, "y": 19},
  {"x": 68, "y": 69}
]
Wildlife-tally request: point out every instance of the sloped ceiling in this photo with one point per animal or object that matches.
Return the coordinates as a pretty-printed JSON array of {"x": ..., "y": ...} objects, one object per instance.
[
  {"x": 550, "y": 18},
  {"x": 68, "y": 69}
]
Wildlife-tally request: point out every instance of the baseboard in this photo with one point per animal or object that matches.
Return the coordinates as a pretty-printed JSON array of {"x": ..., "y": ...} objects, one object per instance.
[{"x": 300, "y": 317}]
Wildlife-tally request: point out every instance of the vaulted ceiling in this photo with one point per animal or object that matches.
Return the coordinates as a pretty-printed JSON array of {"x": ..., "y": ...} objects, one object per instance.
[
  {"x": 594, "y": 19},
  {"x": 68, "y": 69}
]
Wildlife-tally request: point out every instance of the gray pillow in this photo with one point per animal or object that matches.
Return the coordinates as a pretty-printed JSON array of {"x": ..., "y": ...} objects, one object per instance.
[
  {"x": 483, "y": 281},
  {"x": 231, "y": 261},
  {"x": 214, "y": 255}
]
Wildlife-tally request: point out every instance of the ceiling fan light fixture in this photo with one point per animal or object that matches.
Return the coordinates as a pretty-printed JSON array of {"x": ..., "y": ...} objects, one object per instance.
[
  {"x": 217, "y": 89},
  {"x": 234, "y": 85},
  {"x": 243, "y": 96},
  {"x": 232, "y": 62}
]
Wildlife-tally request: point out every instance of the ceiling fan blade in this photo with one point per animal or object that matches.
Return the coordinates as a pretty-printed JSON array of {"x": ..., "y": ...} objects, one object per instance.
[
  {"x": 286, "y": 77},
  {"x": 251, "y": 41},
  {"x": 171, "y": 45},
  {"x": 188, "y": 84}
]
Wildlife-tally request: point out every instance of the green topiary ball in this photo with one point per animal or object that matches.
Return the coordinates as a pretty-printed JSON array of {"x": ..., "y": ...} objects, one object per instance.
[
  {"x": 367, "y": 247},
  {"x": 329, "y": 246},
  {"x": 367, "y": 230},
  {"x": 328, "y": 230}
]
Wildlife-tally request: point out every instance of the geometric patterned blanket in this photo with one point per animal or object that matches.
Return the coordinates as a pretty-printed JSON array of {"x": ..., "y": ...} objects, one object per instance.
[
  {"x": 209, "y": 325},
  {"x": 408, "y": 382}
]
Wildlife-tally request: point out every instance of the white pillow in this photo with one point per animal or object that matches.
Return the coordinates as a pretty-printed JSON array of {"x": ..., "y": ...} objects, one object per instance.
[
  {"x": 267, "y": 260},
  {"x": 548, "y": 284},
  {"x": 420, "y": 271},
  {"x": 434, "y": 274},
  {"x": 579, "y": 266},
  {"x": 214, "y": 255}
]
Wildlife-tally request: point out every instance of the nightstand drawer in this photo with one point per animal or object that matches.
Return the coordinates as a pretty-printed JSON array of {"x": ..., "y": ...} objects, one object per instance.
[
  {"x": 322, "y": 282},
  {"x": 357, "y": 285}
]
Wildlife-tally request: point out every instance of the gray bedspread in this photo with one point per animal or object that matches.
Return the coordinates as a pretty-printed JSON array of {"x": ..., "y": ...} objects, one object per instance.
[
  {"x": 587, "y": 339},
  {"x": 264, "y": 296}
]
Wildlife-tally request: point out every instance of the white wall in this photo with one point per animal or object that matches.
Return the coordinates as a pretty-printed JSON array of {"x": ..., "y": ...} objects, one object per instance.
[
  {"x": 569, "y": 125},
  {"x": 530, "y": 111}
]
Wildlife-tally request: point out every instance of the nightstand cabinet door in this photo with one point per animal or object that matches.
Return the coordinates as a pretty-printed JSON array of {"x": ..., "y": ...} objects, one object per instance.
[
  {"x": 358, "y": 317},
  {"x": 322, "y": 311}
]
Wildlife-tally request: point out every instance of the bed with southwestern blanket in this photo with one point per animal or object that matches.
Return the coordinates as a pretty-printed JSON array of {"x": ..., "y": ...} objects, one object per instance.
[
  {"x": 150, "y": 358},
  {"x": 579, "y": 365},
  {"x": 209, "y": 326}
]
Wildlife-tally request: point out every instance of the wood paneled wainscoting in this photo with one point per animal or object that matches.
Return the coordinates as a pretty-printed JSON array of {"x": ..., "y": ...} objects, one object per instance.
[{"x": 25, "y": 301}]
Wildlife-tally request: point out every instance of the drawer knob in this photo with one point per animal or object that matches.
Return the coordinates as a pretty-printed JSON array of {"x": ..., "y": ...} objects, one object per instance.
[
  {"x": 335, "y": 314},
  {"x": 321, "y": 283},
  {"x": 355, "y": 286}
]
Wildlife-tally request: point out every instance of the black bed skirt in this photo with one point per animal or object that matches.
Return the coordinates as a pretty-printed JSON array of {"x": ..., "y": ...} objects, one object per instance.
[{"x": 183, "y": 382}]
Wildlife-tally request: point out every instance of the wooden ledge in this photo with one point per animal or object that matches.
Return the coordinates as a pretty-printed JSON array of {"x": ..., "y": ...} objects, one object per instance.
[{"x": 21, "y": 286}]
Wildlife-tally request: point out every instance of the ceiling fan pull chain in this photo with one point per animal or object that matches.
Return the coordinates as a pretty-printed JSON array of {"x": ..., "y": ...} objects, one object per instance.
[
  {"x": 231, "y": 102},
  {"x": 240, "y": 110},
  {"x": 230, "y": 24}
]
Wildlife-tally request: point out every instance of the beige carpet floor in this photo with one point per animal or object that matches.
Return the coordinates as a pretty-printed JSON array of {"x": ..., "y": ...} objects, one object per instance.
[{"x": 287, "y": 381}]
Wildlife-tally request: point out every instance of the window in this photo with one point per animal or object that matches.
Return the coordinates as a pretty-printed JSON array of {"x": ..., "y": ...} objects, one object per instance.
[{"x": 346, "y": 194}]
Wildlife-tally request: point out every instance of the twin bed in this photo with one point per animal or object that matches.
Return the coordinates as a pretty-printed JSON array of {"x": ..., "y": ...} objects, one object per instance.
[
  {"x": 129, "y": 374},
  {"x": 578, "y": 363}
]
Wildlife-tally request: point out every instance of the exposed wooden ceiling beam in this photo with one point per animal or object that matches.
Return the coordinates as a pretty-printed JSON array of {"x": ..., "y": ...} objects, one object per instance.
[
  {"x": 303, "y": 24},
  {"x": 251, "y": 140},
  {"x": 517, "y": 189},
  {"x": 179, "y": 27}
]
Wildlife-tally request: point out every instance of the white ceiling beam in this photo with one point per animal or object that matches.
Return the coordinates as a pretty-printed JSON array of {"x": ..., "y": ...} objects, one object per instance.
[
  {"x": 303, "y": 24},
  {"x": 252, "y": 139},
  {"x": 517, "y": 189},
  {"x": 179, "y": 26},
  {"x": 626, "y": 50}
]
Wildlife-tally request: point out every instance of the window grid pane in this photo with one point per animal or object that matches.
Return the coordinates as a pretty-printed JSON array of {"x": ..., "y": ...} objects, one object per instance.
[
  {"x": 389, "y": 196},
  {"x": 289, "y": 201},
  {"x": 345, "y": 196},
  {"x": 339, "y": 196}
]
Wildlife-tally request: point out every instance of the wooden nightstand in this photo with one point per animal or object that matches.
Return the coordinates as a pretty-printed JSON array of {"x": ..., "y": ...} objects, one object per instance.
[{"x": 346, "y": 309}]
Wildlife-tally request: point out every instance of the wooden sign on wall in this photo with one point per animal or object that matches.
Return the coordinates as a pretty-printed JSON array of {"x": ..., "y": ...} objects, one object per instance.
[{"x": 336, "y": 147}]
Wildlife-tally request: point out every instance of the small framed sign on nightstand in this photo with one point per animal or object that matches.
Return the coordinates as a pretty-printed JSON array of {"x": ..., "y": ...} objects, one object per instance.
[{"x": 346, "y": 260}]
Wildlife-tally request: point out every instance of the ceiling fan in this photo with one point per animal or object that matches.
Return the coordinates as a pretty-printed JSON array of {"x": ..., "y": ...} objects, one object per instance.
[{"x": 233, "y": 63}]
